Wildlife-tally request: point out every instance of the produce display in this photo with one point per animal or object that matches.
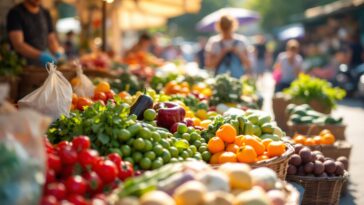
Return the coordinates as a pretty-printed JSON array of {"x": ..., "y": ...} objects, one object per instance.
[
  {"x": 79, "y": 175},
  {"x": 194, "y": 183},
  {"x": 304, "y": 114},
  {"x": 313, "y": 163},
  {"x": 324, "y": 138},
  {"x": 306, "y": 89}
]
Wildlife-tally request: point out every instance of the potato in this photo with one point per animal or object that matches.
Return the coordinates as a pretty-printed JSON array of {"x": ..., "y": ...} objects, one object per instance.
[
  {"x": 309, "y": 167},
  {"x": 297, "y": 148},
  {"x": 291, "y": 170},
  {"x": 323, "y": 175},
  {"x": 320, "y": 158},
  {"x": 295, "y": 160},
  {"x": 301, "y": 171},
  {"x": 339, "y": 171},
  {"x": 316, "y": 152},
  {"x": 344, "y": 160},
  {"x": 306, "y": 155},
  {"x": 318, "y": 168},
  {"x": 339, "y": 164},
  {"x": 330, "y": 166}
]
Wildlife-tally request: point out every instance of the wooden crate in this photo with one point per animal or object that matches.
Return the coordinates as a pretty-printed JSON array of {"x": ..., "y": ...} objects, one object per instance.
[{"x": 312, "y": 129}]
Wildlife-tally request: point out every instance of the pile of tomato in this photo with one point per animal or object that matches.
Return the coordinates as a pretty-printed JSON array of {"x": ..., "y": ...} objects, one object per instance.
[{"x": 77, "y": 174}]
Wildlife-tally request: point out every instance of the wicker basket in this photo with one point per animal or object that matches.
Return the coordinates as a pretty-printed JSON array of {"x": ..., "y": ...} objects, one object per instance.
[
  {"x": 320, "y": 190},
  {"x": 278, "y": 164},
  {"x": 337, "y": 130},
  {"x": 279, "y": 105},
  {"x": 338, "y": 149}
]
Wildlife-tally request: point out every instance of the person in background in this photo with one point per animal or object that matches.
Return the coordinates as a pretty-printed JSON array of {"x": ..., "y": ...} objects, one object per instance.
[
  {"x": 227, "y": 51},
  {"x": 288, "y": 65},
  {"x": 200, "y": 55},
  {"x": 261, "y": 51},
  {"x": 69, "y": 46},
  {"x": 31, "y": 33}
]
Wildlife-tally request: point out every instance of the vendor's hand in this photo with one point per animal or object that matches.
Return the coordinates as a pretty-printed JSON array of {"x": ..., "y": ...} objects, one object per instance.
[
  {"x": 45, "y": 58},
  {"x": 60, "y": 56}
]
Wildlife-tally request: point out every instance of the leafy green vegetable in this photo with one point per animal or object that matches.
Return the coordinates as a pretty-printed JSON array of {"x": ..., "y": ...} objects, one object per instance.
[
  {"x": 226, "y": 89},
  {"x": 10, "y": 63},
  {"x": 307, "y": 88}
]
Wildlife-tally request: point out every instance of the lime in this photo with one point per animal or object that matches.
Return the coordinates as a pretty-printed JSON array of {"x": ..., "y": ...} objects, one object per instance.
[
  {"x": 166, "y": 156},
  {"x": 204, "y": 144},
  {"x": 194, "y": 136},
  {"x": 197, "y": 156},
  {"x": 125, "y": 150},
  {"x": 206, "y": 156},
  {"x": 185, "y": 154},
  {"x": 182, "y": 128},
  {"x": 177, "y": 135},
  {"x": 124, "y": 135},
  {"x": 130, "y": 141},
  {"x": 165, "y": 143},
  {"x": 173, "y": 151},
  {"x": 190, "y": 153},
  {"x": 190, "y": 129},
  {"x": 145, "y": 133},
  {"x": 162, "y": 134},
  {"x": 129, "y": 159},
  {"x": 151, "y": 155},
  {"x": 148, "y": 145},
  {"x": 157, "y": 163},
  {"x": 181, "y": 159},
  {"x": 149, "y": 114},
  {"x": 193, "y": 149},
  {"x": 156, "y": 136},
  {"x": 145, "y": 163},
  {"x": 134, "y": 129},
  {"x": 137, "y": 156},
  {"x": 173, "y": 140},
  {"x": 186, "y": 136},
  {"x": 202, "y": 140},
  {"x": 158, "y": 149},
  {"x": 139, "y": 144},
  {"x": 202, "y": 148},
  {"x": 197, "y": 143},
  {"x": 173, "y": 160},
  {"x": 133, "y": 117}
]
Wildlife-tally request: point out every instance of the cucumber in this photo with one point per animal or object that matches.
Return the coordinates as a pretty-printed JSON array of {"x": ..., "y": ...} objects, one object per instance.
[{"x": 268, "y": 128}]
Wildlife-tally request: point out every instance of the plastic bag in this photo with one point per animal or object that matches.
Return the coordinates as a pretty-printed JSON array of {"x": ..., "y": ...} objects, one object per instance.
[
  {"x": 84, "y": 88},
  {"x": 5, "y": 107},
  {"x": 53, "y": 98},
  {"x": 22, "y": 157}
]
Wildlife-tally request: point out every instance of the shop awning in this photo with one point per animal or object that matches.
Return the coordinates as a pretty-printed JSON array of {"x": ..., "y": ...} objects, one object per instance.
[{"x": 332, "y": 8}]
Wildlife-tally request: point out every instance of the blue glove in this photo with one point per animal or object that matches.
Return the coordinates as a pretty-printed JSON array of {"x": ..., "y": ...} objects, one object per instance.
[
  {"x": 59, "y": 55},
  {"x": 46, "y": 58}
]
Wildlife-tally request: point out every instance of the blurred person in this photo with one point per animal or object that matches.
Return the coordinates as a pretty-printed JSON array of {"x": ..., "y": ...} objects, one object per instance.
[
  {"x": 261, "y": 53},
  {"x": 69, "y": 46},
  {"x": 200, "y": 55},
  {"x": 31, "y": 33},
  {"x": 227, "y": 51},
  {"x": 287, "y": 66},
  {"x": 356, "y": 51}
]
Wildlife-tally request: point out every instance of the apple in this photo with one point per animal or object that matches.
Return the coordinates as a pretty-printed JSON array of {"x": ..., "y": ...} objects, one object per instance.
[{"x": 168, "y": 114}]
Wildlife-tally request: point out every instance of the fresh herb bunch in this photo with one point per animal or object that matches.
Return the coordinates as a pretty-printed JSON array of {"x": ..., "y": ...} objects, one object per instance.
[
  {"x": 102, "y": 124},
  {"x": 226, "y": 89},
  {"x": 307, "y": 88},
  {"x": 10, "y": 63}
]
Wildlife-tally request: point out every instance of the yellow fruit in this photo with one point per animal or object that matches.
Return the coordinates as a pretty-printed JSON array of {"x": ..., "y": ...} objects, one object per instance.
[
  {"x": 190, "y": 114},
  {"x": 202, "y": 114},
  {"x": 205, "y": 123},
  {"x": 103, "y": 86}
]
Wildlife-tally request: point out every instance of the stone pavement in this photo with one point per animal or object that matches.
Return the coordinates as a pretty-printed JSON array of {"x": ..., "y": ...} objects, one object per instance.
[{"x": 353, "y": 113}]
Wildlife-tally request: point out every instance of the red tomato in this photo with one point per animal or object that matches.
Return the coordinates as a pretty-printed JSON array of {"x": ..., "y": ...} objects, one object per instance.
[
  {"x": 88, "y": 158},
  {"x": 107, "y": 170},
  {"x": 54, "y": 162},
  {"x": 110, "y": 94},
  {"x": 76, "y": 185},
  {"x": 126, "y": 170},
  {"x": 100, "y": 96},
  {"x": 67, "y": 171},
  {"x": 68, "y": 155},
  {"x": 49, "y": 200},
  {"x": 115, "y": 157},
  {"x": 50, "y": 176},
  {"x": 63, "y": 144},
  {"x": 83, "y": 102},
  {"x": 94, "y": 182},
  {"x": 81, "y": 143},
  {"x": 57, "y": 190},
  {"x": 77, "y": 199}
]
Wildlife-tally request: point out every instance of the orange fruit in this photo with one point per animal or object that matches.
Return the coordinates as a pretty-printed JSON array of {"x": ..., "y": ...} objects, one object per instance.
[
  {"x": 255, "y": 143},
  {"x": 83, "y": 102},
  {"x": 246, "y": 154},
  {"x": 317, "y": 140},
  {"x": 74, "y": 99},
  {"x": 276, "y": 148},
  {"x": 226, "y": 157},
  {"x": 215, "y": 158},
  {"x": 196, "y": 121},
  {"x": 262, "y": 157},
  {"x": 215, "y": 145},
  {"x": 327, "y": 139},
  {"x": 227, "y": 133},
  {"x": 103, "y": 86},
  {"x": 124, "y": 94},
  {"x": 232, "y": 148},
  {"x": 325, "y": 131},
  {"x": 299, "y": 139},
  {"x": 309, "y": 142},
  {"x": 266, "y": 142},
  {"x": 239, "y": 140}
]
